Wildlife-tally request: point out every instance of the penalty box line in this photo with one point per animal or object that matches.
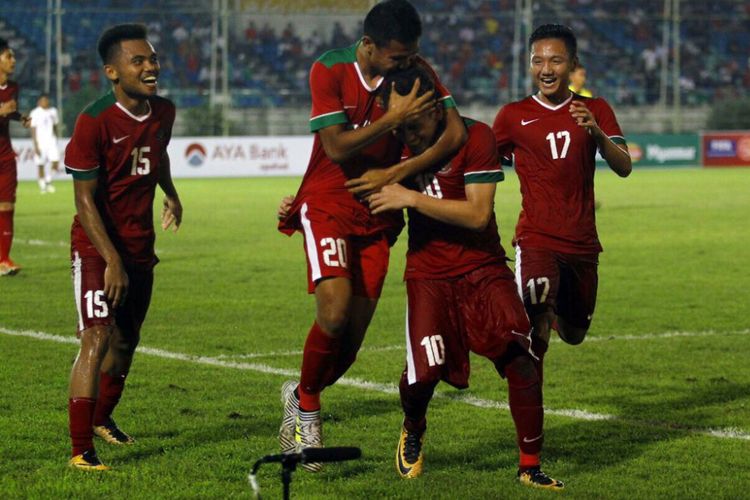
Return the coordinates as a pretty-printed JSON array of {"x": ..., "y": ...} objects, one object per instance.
[{"x": 577, "y": 414}]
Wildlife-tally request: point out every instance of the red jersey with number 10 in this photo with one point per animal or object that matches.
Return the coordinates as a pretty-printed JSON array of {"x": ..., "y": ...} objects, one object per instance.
[
  {"x": 438, "y": 250},
  {"x": 555, "y": 160},
  {"x": 123, "y": 152},
  {"x": 8, "y": 92}
]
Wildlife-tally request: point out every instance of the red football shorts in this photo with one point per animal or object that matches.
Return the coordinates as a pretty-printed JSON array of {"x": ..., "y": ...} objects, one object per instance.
[
  {"x": 8, "y": 180},
  {"x": 332, "y": 251},
  {"x": 565, "y": 282},
  {"x": 479, "y": 312},
  {"x": 93, "y": 306}
]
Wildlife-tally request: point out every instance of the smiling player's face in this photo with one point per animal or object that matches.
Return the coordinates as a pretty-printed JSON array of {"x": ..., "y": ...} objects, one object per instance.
[
  {"x": 136, "y": 68},
  {"x": 550, "y": 67}
]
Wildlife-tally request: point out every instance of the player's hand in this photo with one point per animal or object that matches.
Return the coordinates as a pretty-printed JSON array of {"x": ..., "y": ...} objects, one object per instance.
[
  {"x": 286, "y": 204},
  {"x": 116, "y": 283},
  {"x": 407, "y": 107},
  {"x": 371, "y": 181},
  {"x": 25, "y": 121},
  {"x": 171, "y": 213},
  {"x": 584, "y": 117},
  {"x": 8, "y": 107},
  {"x": 392, "y": 197}
]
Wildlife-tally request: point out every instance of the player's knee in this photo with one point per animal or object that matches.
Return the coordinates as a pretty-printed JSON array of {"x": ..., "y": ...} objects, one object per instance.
[
  {"x": 6, "y": 206},
  {"x": 95, "y": 341},
  {"x": 521, "y": 372},
  {"x": 333, "y": 321},
  {"x": 124, "y": 341},
  {"x": 542, "y": 324},
  {"x": 570, "y": 334}
]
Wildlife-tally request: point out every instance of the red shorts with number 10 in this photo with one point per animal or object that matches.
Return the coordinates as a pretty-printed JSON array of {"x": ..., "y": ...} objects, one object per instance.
[
  {"x": 479, "y": 312},
  {"x": 333, "y": 251},
  {"x": 94, "y": 308}
]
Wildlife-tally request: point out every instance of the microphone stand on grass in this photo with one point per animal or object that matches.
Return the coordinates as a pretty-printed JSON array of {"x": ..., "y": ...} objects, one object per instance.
[{"x": 289, "y": 463}]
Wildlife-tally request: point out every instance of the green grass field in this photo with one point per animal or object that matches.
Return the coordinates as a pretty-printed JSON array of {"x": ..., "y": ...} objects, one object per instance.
[{"x": 655, "y": 403}]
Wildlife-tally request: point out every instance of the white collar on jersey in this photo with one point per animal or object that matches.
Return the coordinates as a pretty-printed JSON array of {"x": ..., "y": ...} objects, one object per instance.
[
  {"x": 141, "y": 118},
  {"x": 364, "y": 82},
  {"x": 4, "y": 86},
  {"x": 553, "y": 108}
]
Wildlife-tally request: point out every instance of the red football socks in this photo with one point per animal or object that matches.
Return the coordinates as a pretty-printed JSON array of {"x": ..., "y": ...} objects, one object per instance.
[
  {"x": 6, "y": 233},
  {"x": 414, "y": 400},
  {"x": 110, "y": 390},
  {"x": 81, "y": 416},
  {"x": 525, "y": 400},
  {"x": 318, "y": 364}
]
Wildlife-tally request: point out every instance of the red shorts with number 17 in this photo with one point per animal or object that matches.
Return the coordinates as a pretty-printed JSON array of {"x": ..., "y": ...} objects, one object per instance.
[
  {"x": 563, "y": 282},
  {"x": 479, "y": 312}
]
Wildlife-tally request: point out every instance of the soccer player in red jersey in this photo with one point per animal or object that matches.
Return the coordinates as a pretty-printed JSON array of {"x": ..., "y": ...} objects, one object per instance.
[
  {"x": 347, "y": 247},
  {"x": 553, "y": 137},
  {"x": 8, "y": 173},
  {"x": 461, "y": 294},
  {"x": 117, "y": 155}
]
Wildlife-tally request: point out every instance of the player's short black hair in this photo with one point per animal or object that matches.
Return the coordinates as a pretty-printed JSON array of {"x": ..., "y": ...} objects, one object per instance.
[
  {"x": 109, "y": 42},
  {"x": 404, "y": 81},
  {"x": 393, "y": 20},
  {"x": 3, "y": 45},
  {"x": 559, "y": 31}
]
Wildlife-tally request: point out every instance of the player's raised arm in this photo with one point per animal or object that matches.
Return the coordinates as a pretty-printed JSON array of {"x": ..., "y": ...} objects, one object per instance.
[
  {"x": 115, "y": 278},
  {"x": 342, "y": 144},
  {"x": 616, "y": 155}
]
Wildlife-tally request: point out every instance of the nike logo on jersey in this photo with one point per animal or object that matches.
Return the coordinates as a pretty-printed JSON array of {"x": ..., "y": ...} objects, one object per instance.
[
  {"x": 527, "y": 440},
  {"x": 119, "y": 139},
  {"x": 526, "y": 122}
]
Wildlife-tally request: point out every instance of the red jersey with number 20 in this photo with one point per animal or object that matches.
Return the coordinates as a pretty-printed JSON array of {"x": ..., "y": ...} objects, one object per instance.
[
  {"x": 554, "y": 158},
  {"x": 341, "y": 95},
  {"x": 438, "y": 250},
  {"x": 123, "y": 152},
  {"x": 8, "y": 92}
]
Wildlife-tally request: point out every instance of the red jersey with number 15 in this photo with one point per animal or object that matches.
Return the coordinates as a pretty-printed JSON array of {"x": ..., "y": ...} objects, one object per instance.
[
  {"x": 342, "y": 95},
  {"x": 555, "y": 160},
  {"x": 123, "y": 152},
  {"x": 8, "y": 92}
]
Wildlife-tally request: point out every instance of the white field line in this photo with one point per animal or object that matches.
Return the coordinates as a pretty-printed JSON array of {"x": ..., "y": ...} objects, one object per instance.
[
  {"x": 577, "y": 414},
  {"x": 647, "y": 336},
  {"x": 42, "y": 243}
]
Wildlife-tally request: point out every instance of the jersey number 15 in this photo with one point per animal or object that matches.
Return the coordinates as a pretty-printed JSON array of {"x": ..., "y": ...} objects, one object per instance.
[{"x": 141, "y": 164}]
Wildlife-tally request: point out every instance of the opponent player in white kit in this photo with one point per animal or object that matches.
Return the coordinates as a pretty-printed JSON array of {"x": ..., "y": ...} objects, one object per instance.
[{"x": 44, "y": 122}]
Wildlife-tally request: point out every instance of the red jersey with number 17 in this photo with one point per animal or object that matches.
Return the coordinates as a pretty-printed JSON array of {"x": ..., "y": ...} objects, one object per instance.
[
  {"x": 342, "y": 95},
  {"x": 555, "y": 160},
  {"x": 123, "y": 152},
  {"x": 8, "y": 92}
]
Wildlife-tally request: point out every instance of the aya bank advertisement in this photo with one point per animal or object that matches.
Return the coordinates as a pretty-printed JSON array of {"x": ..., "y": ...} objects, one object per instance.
[{"x": 212, "y": 156}]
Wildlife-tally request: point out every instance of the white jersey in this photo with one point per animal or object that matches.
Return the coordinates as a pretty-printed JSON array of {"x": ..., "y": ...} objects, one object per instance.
[{"x": 43, "y": 122}]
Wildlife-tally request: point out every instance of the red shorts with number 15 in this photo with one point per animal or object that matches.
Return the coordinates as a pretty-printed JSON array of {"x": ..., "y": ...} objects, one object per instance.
[{"x": 94, "y": 308}]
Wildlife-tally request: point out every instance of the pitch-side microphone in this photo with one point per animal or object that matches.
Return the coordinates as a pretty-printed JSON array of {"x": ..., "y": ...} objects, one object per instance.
[{"x": 312, "y": 455}]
